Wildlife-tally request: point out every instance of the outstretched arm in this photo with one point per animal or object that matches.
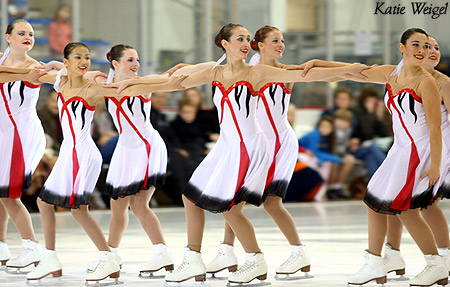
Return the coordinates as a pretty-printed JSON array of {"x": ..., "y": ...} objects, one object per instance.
[
  {"x": 197, "y": 79},
  {"x": 191, "y": 69},
  {"x": 174, "y": 84},
  {"x": 148, "y": 80}
]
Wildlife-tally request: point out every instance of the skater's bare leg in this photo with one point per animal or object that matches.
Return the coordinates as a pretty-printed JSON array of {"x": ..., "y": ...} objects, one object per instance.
[
  {"x": 20, "y": 217},
  {"x": 91, "y": 227},
  {"x": 139, "y": 204},
  {"x": 420, "y": 231},
  {"x": 377, "y": 224},
  {"x": 437, "y": 221},
  {"x": 242, "y": 228},
  {"x": 3, "y": 222},
  {"x": 275, "y": 208},
  {"x": 395, "y": 230},
  {"x": 47, "y": 212},
  {"x": 195, "y": 222},
  {"x": 119, "y": 220},
  {"x": 228, "y": 236}
]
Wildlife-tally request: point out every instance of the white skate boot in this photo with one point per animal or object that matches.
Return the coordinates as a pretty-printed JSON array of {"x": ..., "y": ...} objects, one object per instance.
[
  {"x": 394, "y": 262},
  {"x": 298, "y": 261},
  {"x": 106, "y": 267},
  {"x": 162, "y": 258},
  {"x": 255, "y": 267},
  {"x": 444, "y": 253},
  {"x": 372, "y": 269},
  {"x": 191, "y": 267},
  {"x": 48, "y": 265},
  {"x": 31, "y": 254},
  {"x": 434, "y": 273},
  {"x": 115, "y": 252},
  {"x": 223, "y": 260},
  {"x": 4, "y": 253}
]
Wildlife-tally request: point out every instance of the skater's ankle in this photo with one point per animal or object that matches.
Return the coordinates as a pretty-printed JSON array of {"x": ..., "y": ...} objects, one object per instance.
[
  {"x": 373, "y": 253},
  {"x": 392, "y": 247},
  {"x": 196, "y": 248}
]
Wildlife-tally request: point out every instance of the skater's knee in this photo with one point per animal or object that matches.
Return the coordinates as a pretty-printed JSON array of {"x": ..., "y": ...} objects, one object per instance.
[
  {"x": 139, "y": 208},
  {"x": 79, "y": 213},
  {"x": 272, "y": 204}
]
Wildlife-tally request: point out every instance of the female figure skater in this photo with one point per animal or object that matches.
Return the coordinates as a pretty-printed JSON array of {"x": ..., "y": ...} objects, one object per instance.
[
  {"x": 433, "y": 215},
  {"x": 138, "y": 164},
  {"x": 22, "y": 141},
  {"x": 283, "y": 147},
  {"x": 235, "y": 170},
  {"x": 75, "y": 173}
]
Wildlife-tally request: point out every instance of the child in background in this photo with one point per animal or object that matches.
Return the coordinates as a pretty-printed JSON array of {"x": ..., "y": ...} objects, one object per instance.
[{"x": 60, "y": 30}]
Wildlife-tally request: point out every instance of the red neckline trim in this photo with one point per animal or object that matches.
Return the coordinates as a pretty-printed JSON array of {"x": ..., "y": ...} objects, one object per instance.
[
  {"x": 89, "y": 107},
  {"x": 282, "y": 85},
  {"x": 239, "y": 83},
  {"x": 410, "y": 91},
  {"x": 142, "y": 98},
  {"x": 30, "y": 85}
]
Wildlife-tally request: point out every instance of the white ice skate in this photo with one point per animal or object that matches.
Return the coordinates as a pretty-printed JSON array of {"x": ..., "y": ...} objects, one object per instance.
[
  {"x": 434, "y": 273},
  {"x": 394, "y": 262},
  {"x": 372, "y": 269},
  {"x": 255, "y": 267},
  {"x": 5, "y": 255},
  {"x": 31, "y": 254},
  {"x": 191, "y": 267},
  {"x": 298, "y": 261},
  {"x": 162, "y": 258},
  {"x": 48, "y": 265},
  {"x": 106, "y": 267},
  {"x": 225, "y": 259},
  {"x": 115, "y": 252},
  {"x": 444, "y": 253}
]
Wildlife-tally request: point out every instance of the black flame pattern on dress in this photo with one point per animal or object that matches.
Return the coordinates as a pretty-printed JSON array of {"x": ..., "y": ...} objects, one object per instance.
[
  {"x": 411, "y": 104},
  {"x": 272, "y": 93},
  {"x": 74, "y": 107}
]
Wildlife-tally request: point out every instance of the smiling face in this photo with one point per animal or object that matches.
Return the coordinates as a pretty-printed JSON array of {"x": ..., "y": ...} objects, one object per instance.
[
  {"x": 127, "y": 66},
  {"x": 239, "y": 43},
  {"x": 273, "y": 45},
  {"x": 78, "y": 61},
  {"x": 416, "y": 49},
  {"x": 21, "y": 37},
  {"x": 434, "y": 55}
]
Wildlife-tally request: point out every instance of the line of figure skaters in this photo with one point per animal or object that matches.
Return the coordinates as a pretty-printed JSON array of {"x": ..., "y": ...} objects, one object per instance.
[{"x": 252, "y": 161}]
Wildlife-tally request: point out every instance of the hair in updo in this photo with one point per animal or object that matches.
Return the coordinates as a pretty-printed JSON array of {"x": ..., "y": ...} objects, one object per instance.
[
  {"x": 11, "y": 25},
  {"x": 225, "y": 34},
  {"x": 69, "y": 48},
  {"x": 116, "y": 53},
  {"x": 408, "y": 33},
  {"x": 261, "y": 35}
]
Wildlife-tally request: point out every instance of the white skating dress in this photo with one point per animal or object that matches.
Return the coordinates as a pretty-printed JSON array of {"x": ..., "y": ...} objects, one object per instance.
[
  {"x": 140, "y": 158},
  {"x": 22, "y": 138},
  {"x": 283, "y": 143},
  {"x": 396, "y": 186},
  {"x": 235, "y": 170},
  {"x": 75, "y": 173}
]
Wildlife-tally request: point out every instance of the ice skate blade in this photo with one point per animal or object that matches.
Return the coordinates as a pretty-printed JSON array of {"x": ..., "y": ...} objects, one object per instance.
[
  {"x": 150, "y": 275},
  {"x": 249, "y": 284},
  {"x": 289, "y": 277},
  {"x": 40, "y": 282},
  {"x": 16, "y": 271},
  {"x": 353, "y": 285},
  {"x": 399, "y": 278},
  {"x": 102, "y": 284},
  {"x": 186, "y": 284}
]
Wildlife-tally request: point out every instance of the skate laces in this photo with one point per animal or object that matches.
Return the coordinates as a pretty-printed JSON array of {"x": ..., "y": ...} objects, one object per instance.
[
  {"x": 184, "y": 265},
  {"x": 246, "y": 268},
  {"x": 23, "y": 254},
  {"x": 291, "y": 260}
]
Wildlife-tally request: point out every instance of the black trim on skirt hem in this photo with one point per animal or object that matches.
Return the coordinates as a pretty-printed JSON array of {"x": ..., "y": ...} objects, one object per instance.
[
  {"x": 276, "y": 188},
  {"x": 444, "y": 189},
  {"x": 217, "y": 205},
  {"x": 421, "y": 201},
  {"x": 135, "y": 187},
  {"x": 4, "y": 190},
  {"x": 64, "y": 201}
]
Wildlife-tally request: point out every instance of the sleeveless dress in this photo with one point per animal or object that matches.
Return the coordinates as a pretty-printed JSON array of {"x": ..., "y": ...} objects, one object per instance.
[
  {"x": 22, "y": 138},
  {"x": 235, "y": 170},
  {"x": 75, "y": 173},
  {"x": 396, "y": 186},
  {"x": 140, "y": 158},
  {"x": 283, "y": 143},
  {"x": 445, "y": 127}
]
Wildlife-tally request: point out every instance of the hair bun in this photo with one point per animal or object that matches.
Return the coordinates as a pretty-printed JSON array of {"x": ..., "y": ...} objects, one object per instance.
[
  {"x": 108, "y": 56},
  {"x": 253, "y": 45}
]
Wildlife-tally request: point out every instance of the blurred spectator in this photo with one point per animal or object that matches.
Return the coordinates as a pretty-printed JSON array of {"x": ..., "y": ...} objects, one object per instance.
[
  {"x": 49, "y": 116},
  {"x": 60, "y": 30},
  {"x": 320, "y": 147},
  {"x": 207, "y": 120},
  {"x": 343, "y": 99}
]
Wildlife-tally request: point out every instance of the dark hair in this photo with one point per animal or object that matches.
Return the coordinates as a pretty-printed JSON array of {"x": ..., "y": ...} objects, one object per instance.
[
  {"x": 368, "y": 92},
  {"x": 329, "y": 142},
  {"x": 343, "y": 114},
  {"x": 408, "y": 33},
  {"x": 69, "y": 48},
  {"x": 186, "y": 102},
  {"x": 225, "y": 34},
  {"x": 343, "y": 90},
  {"x": 116, "y": 53},
  {"x": 261, "y": 35},
  {"x": 11, "y": 25}
]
